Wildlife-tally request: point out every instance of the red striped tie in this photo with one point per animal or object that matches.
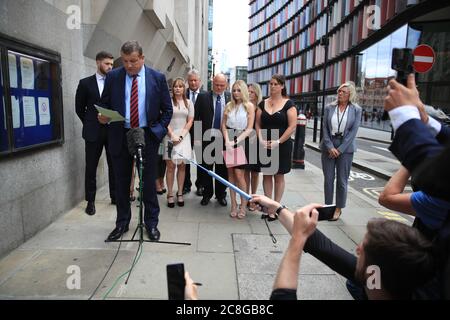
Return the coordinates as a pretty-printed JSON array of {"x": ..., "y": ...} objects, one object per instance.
[{"x": 134, "y": 102}]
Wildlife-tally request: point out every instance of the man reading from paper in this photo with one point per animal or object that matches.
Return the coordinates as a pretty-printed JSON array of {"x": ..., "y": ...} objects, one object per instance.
[{"x": 141, "y": 95}]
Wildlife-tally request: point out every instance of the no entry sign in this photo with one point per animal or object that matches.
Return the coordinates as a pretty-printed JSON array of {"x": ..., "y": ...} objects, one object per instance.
[{"x": 423, "y": 58}]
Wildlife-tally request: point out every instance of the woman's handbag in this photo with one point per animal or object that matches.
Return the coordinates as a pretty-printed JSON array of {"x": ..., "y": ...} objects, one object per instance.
[{"x": 234, "y": 157}]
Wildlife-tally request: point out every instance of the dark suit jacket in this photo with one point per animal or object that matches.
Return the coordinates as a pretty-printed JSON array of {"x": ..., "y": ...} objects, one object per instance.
[
  {"x": 188, "y": 93},
  {"x": 87, "y": 95},
  {"x": 204, "y": 109},
  {"x": 425, "y": 156},
  {"x": 158, "y": 105}
]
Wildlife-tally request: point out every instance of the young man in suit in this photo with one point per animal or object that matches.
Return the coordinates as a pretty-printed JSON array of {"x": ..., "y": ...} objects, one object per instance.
[
  {"x": 194, "y": 89},
  {"x": 209, "y": 108},
  {"x": 88, "y": 93},
  {"x": 140, "y": 94}
]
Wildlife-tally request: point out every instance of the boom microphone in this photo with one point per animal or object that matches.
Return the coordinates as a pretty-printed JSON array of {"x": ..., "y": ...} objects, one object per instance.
[{"x": 135, "y": 140}]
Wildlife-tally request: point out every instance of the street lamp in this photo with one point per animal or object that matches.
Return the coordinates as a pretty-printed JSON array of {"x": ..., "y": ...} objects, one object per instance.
[{"x": 325, "y": 41}]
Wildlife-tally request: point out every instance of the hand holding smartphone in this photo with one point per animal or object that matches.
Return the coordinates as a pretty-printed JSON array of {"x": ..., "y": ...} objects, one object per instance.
[
  {"x": 326, "y": 212},
  {"x": 176, "y": 281}
]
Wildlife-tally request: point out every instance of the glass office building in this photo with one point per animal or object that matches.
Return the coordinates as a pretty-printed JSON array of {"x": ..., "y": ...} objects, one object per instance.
[{"x": 353, "y": 39}]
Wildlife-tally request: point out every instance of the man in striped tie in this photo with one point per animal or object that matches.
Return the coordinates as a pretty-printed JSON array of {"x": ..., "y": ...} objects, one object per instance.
[{"x": 141, "y": 95}]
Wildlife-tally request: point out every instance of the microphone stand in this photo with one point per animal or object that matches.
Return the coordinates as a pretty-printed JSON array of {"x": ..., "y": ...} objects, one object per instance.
[{"x": 140, "y": 167}]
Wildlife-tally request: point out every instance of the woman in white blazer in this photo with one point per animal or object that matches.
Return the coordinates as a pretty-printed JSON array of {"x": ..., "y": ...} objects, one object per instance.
[{"x": 340, "y": 124}]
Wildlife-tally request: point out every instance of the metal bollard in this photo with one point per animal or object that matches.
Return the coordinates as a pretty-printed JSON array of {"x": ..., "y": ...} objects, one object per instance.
[{"x": 298, "y": 161}]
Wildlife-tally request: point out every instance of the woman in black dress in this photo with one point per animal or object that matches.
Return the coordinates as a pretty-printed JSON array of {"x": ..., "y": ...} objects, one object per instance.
[{"x": 276, "y": 120}]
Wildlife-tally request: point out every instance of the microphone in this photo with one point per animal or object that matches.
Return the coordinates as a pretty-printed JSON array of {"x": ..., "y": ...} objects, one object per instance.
[{"x": 135, "y": 141}]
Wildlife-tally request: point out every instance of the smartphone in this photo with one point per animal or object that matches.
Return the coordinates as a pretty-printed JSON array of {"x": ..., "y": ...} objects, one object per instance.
[
  {"x": 326, "y": 212},
  {"x": 176, "y": 281},
  {"x": 402, "y": 62}
]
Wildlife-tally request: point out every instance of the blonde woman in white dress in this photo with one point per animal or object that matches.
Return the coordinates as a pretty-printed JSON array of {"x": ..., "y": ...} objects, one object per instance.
[
  {"x": 178, "y": 133},
  {"x": 237, "y": 125}
]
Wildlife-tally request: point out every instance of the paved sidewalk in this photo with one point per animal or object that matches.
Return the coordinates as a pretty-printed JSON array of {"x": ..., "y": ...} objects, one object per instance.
[{"x": 234, "y": 259}]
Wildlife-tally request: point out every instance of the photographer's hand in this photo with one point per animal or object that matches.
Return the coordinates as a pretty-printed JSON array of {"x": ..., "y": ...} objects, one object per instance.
[
  {"x": 190, "y": 289},
  {"x": 270, "y": 206},
  {"x": 305, "y": 222},
  {"x": 399, "y": 95}
]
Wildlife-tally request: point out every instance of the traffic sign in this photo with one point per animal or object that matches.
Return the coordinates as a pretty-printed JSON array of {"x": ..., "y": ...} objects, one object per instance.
[{"x": 424, "y": 58}]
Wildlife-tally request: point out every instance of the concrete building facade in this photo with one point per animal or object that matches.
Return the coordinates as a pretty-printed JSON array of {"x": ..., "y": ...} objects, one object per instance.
[{"x": 38, "y": 185}]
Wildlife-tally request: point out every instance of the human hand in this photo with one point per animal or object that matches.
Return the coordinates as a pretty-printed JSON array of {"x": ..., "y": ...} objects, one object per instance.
[
  {"x": 399, "y": 95},
  {"x": 229, "y": 144},
  {"x": 176, "y": 140},
  {"x": 423, "y": 113},
  {"x": 333, "y": 153},
  {"x": 265, "y": 204},
  {"x": 103, "y": 119},
  {"x": 272, "y": 144},
  {"x": 190, "y": 289},
  {"x": 305, "y": 221}
]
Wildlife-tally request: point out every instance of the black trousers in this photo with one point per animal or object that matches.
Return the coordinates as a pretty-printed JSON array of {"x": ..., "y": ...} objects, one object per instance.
[
  {"x": 187, "y": 178},
  {"x": 93, "y": 153},
  {"x": 122, "y": 169},
  {"x": 338, "y": 259},
  {"x": 206, "y": 180}
]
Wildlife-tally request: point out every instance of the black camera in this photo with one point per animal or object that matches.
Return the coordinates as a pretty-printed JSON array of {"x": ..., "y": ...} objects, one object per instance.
[
  {"x": 338, "y": 135},
  {"x": 402, "y": 62}
]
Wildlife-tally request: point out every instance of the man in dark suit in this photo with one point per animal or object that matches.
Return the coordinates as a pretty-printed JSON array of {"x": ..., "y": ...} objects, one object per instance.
[
  {"x": 88, "y": 93},
  {"x": 192, "y": 92},
  {"x": 141, "y": 95},
  {"x": 209, "y": 109}
]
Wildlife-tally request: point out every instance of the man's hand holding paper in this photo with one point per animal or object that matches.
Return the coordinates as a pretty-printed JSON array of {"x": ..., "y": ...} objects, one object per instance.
[{"x": 106, "y": 115}]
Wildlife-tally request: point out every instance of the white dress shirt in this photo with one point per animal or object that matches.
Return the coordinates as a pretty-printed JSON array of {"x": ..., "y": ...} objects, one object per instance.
[
  {"x": 402, "y": 114},
  {"x": 335, "y": 127},
  {"x": 100, "y": 82}
]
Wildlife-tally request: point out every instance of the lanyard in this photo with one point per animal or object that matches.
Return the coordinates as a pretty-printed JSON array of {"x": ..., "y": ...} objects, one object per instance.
[{"x": 342, "y": 118}]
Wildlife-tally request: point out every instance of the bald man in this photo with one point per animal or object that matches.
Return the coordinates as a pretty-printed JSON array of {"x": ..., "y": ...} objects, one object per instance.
[{"x": 209, "y": 108}]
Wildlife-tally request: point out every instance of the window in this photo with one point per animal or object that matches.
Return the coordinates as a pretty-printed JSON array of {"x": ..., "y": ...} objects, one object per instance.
[{"x": 31, "y": 104}]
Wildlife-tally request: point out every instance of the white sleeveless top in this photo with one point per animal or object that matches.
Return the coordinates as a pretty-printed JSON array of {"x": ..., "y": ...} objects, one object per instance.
[{"x": 237, "y": 118}]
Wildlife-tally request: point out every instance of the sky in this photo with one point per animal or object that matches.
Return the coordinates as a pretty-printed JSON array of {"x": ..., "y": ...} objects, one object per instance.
[{"x": 230, "y": 32}]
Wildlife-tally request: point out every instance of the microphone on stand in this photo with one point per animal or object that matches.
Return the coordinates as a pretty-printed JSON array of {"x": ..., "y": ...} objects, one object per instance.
[{"x": 136, "y": 142}]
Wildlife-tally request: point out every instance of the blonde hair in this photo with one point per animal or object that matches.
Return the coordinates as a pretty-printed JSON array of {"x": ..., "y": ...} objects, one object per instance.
[
  {"x": 245, "y": 98},
  {"x": 353, "y": 98},
  {"x": 174, "y": 99},
  {"x": 258, "y": 92}
]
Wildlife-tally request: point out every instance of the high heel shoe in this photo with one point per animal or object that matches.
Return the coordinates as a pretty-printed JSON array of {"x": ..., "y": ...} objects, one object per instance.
[
  {"x": 162, "y": 191},
  {"x": 170, "y": 204},
  {"x": 336, "y": 218},
  {"x": 180, "y": 203},
  {"x": 242, "y": 212}
]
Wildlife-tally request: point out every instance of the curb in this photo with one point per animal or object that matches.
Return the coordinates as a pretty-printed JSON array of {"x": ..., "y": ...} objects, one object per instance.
[
  {"x": 375, "y": 140},
  {"x": 375, "y": 171},
  {"x": 365, "y": 138}
]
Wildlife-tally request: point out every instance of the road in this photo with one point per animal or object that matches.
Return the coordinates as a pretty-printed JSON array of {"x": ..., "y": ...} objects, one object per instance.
[
  {"x": 361, "y": 181},
  {"x": 375, "y": 147}
]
